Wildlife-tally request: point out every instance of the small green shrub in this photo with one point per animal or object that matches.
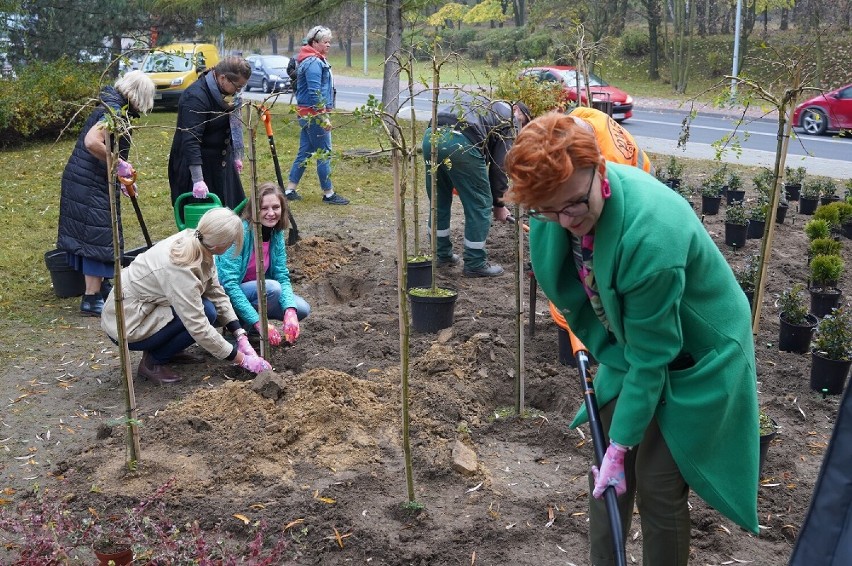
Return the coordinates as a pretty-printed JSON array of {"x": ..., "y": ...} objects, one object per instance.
[
  {"x": 44, "y": 99},
  {"x": 746, "y": 275},
  {"x": 829, "y": 188},
  {"x": 830, "y": 213},
  {"x": 541, "y": 97},
  {"x": 833, "y": 338},
  {"x": 735, "y": 213},
  {"x": 534, "y": 46},
  {"x": 765, "y": 424},
  {"x": 794, "y": 175},
  {"x": 635, "y": 43},
  {"x": 792, "y": 303},
  {"x": 812, "y": 189},
  {"x": 826, "y": 271},
  {"x": 825, "y": 246},
  {"x": 710, "y": 188},
  {"x": 735, "y": 181},
  {"x": 759, "y": 210},
  {"x": 817, "y": 228},
  {"x": 674, "y": 168}
]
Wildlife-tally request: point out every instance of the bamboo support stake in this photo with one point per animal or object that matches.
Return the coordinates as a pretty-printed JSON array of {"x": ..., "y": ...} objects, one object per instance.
[{"x": 519, "y": 314}]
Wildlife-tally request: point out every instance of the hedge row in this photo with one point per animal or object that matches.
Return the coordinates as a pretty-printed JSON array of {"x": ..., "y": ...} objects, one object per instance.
[{"x": 45, "y": 100}]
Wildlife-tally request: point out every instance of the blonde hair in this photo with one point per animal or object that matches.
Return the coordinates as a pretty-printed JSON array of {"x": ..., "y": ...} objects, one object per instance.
[
  {"x": 317, "y": 33},
  {"x": 218, "y": 226},
  {"x": 138, "y": 89},
  {"x": 266, "y": 189}
]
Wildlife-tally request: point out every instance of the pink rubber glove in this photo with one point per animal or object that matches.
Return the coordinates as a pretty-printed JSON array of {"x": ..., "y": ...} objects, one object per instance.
[
  {"x": 272, "y": 332},
  {"x": 244, "y": 346},
  {"x": 254, "y": 364},
  {"x": 238, "y": 165},
  {"x": 291, "y": 325},
  {"x": 124, "y": 169},
  {"x": 611, "y": 472},
  {"x": 200, "y": 190}
]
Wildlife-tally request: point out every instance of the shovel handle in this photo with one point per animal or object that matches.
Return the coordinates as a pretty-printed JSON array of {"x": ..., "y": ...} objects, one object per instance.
[{"x": 267, "y": 120}]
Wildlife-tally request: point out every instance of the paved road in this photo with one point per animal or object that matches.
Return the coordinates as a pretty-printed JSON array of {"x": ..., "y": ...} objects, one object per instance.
[{"x": 657, "y": 130}]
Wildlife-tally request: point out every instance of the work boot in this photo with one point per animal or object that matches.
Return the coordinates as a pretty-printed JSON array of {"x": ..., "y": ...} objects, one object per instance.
[
  {"x": 91, "y": 305},
  {"x": 451, "y": 261},
  {"x": 486, "y": 270},
  {"x": 186, "y": 357},
  {"x": 106, "y": 287},
  {"x": 161, "y": 374}
]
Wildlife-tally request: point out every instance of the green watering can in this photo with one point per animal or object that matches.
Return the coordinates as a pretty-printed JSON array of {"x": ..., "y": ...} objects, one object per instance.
[{"x": 192, "y": 213}]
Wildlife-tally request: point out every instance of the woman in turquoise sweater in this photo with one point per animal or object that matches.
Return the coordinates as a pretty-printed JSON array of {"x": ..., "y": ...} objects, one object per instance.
[
  {"x": 643, "y": 285},
  {"x": 237, "y": 270}
]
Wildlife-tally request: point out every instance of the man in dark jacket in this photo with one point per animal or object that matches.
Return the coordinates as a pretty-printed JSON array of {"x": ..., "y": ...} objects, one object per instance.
[
  {"x": 472, "y": 139},
  {"x": 206, "y": 152},
  {"x": 85, "y": 226}
]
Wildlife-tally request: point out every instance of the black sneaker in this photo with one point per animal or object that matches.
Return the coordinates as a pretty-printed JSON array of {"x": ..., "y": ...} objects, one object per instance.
[
  {"x": 487, "y": 270},
  {"x": 335, "y": 199},
  {"x": 452, "y": 260},
  {"x": 293, "y": 195},
  {"x": 91, "y": 305}
]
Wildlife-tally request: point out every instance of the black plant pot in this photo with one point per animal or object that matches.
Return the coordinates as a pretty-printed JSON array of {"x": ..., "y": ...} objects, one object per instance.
[
  {"x": 793, "y": 190},
  {"x": 755, "y": 229},
  {"x": 673, "y": 183},
  {"x": 846, "y": 229},
  {"x": 823, "y": 300},
  {"x": 431, "y": 314},
  {"x": 419, "y": 274},
  {"x": 765, "y": 441},
  {"x": 781, "y": 212},
  {"x": 828, "y": 376},
  {"x": 735, "y": 235},
  {"x": 796, "y": 337},
  {"x": 710, "y": 205},
  {"x": 828, "y": 200},
  {"x": 735, "y": 196},
  {"x": 807, "y": 205},
  {"x": 750, "y": 296}
]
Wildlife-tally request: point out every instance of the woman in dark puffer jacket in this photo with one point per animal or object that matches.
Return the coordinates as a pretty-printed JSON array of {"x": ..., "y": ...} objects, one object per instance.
[{"x": 85, "y": 230}]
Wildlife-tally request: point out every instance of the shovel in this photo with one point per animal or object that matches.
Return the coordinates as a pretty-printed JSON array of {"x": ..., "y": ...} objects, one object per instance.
[
  {"x": 129, "y": 183},
  {"x": 293, "y": 235},
  {"x": 610, "y": 497}
]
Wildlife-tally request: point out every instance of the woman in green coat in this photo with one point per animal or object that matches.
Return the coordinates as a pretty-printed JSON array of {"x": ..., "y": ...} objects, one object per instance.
[{"x": 639, "y": 279}]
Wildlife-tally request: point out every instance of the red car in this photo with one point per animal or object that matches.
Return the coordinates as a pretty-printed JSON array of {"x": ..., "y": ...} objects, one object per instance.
[
  {"x": 827, "y": 111},
  {"x": 622, "y": 103}
]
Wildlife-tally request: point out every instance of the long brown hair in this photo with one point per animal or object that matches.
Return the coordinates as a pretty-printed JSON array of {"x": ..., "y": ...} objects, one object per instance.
[{"x": 265, "y": 189}]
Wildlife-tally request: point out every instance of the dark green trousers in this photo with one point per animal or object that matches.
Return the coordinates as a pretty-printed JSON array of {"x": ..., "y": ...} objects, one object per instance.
[
  {"x": 655, "y": 484},
  {"x": 462, "y": 166}
]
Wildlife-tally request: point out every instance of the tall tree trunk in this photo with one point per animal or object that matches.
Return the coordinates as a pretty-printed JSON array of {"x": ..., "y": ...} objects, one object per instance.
[
  {"x": 653, "y": 11},
  {"x": 273, "y": 42},
  {"x": 712, "y": 17},
  {"x": 681, "y": 49},
  {"x": 785, "y": 15},
  {"x": 703, "y": 9}
]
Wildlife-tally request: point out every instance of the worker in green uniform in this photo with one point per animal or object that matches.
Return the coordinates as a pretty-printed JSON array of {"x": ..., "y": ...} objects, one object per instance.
[{"x": 472, "y": 138}]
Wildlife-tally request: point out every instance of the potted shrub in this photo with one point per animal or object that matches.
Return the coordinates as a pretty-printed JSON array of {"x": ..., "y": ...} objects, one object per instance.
[
  {"x": 734, "y": 186},
  {"x": 757, "y": 219},
  {"x": 674, "y": 172},
  {"x": 828, "y": 192},
  {"x": 796, "y": 325},
  {"x": 793, "y": 178},
  {"x": 830, "y": 212},
  {"x": 767, "y": 429},
  {"x": 809, "y": 196},
  {"x": 736, "y": 224},
  {"x": 832, "y": 353},
  {"x": 825, "y": 275},
  {"x": 711, "y": 197},
  {"x": 824, "y": 246},
  {"x": 746, "y": 276}
]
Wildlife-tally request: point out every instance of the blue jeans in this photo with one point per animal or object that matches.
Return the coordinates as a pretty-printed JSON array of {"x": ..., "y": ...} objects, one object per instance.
[
  {"x": 172, "y": 338},
  {"x": 312, "y": 138},
  {"x": 273, "y": 299}
]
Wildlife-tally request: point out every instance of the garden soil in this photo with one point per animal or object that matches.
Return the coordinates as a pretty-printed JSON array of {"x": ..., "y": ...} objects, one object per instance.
[{"x": 320, "y": 460}]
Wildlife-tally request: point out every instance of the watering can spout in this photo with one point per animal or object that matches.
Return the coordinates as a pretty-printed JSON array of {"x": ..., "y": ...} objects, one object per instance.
[
  {"x": 187, "y": 216},
  {"x": 239, "y": 208}
]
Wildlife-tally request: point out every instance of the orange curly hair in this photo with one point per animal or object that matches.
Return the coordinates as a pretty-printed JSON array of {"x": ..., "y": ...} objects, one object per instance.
[{"x": 545, "y": 153}]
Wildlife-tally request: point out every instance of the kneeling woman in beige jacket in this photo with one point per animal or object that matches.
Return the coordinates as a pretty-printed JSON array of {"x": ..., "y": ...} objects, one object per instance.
[{"x": 172, "y": 298}]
